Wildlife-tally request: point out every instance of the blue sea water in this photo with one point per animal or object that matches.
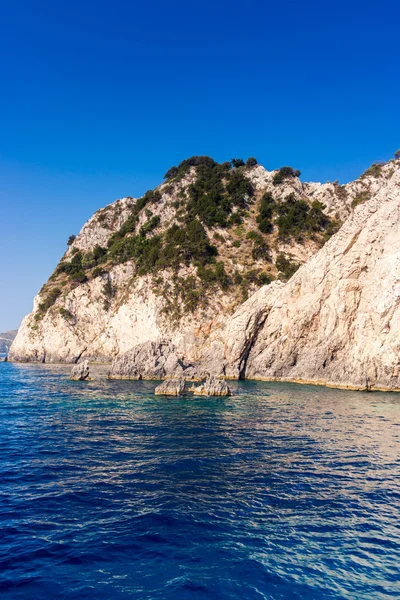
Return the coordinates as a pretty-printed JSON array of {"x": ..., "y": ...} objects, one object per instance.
[{"x": 278, "y": 492}]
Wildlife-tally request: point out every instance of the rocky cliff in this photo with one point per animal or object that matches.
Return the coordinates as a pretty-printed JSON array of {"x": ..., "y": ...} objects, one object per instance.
[
  {"x": 6, "y": 340},
  {"x": 237, "y": 271}
]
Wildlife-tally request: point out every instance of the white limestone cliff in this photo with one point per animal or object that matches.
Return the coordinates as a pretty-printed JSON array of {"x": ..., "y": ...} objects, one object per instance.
[{"x": 336, "y": 321}]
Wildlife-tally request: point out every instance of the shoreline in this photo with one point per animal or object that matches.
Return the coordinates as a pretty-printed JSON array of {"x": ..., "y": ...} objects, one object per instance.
[{"x": 299, "y": 381}]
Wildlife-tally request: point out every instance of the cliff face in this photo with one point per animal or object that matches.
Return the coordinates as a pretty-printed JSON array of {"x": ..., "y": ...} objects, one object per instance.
[
  {"x": 337, "y": 321},
  {"x": 178, "y": 264}
]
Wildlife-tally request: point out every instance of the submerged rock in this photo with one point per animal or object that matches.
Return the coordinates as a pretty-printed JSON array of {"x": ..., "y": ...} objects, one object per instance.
[
  {"x": 212, "y": 387},
  {"x": 171, "y": 387},
  {"x": 80, "y": 372}
]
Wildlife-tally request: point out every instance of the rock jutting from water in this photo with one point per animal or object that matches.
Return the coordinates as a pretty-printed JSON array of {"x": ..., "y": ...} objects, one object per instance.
[
  {"x": 171, "y": 387},
  {"x": 211, "y": 387},
  {"x": 158, "y": 285},
  {"x": 80, "y": 372}
]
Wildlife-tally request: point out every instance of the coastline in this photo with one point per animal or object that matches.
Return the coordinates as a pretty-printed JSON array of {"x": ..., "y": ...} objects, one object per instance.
[{"x": 299, "y": 381}]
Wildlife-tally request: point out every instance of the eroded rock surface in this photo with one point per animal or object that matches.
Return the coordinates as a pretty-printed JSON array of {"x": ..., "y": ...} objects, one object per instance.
[
  {"x": 337, "y": 321},
  {"x": 171, "y": 387},
  {"x": 150, "y": 360},
  {"x": 80, "y": 372},
  {"x": 211, "y": 387}
]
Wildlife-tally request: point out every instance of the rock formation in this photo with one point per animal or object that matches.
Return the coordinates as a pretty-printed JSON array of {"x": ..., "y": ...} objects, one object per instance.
[
  {"x": 337, "y": 321},
  {"x": 158, "y": 285},
  {"x": 171, "y": 387},
  {"x": 211, "y": 387},
  {"x": 80, "y": 372},
  {"x": 150, "y": 360}
]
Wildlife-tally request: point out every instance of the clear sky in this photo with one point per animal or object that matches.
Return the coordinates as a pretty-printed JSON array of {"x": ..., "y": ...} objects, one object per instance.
[{"x": 99, "y": 98}]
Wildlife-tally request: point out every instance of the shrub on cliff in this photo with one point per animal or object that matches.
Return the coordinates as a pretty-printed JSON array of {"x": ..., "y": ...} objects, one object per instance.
[
  {"x": 237, "y": 162},
  {"x": 66, "y": 314},
  {"x": 264, "y": 217},
  {"x": 71, "y": 240},
  {"x": 317, "y": 220},
  {"x": 216, "y": 275},
  {"x": 292, "y": 216},
  {"x": 184, "y": 167},
  {"x": 172, "y": 172},
  {"x": 285, "y": 173},
  {"x": 285, "y": 266},
  {"x": 207, "y": 197},
  {"x": 48, "y": 302},
  {"x": 251, "y": 162},
  {"x": 239, "y": 189},
  {"x": 151, "y": 224},
  {"x": 374, "y": 170}
]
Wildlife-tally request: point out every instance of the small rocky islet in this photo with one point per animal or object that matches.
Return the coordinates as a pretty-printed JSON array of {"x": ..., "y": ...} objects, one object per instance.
[
  {"x": 232, "y": 271},
  {"x": 171, "y": 386}
]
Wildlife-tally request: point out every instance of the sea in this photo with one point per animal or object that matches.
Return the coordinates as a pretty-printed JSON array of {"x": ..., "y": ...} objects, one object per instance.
[{"x": 280, "y": 491}]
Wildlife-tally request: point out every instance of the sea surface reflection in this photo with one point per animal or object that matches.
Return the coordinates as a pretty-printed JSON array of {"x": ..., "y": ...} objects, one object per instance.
[{"x": 280, "y": 491}]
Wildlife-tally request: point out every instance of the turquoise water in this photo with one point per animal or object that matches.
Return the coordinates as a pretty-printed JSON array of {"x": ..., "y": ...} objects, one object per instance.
[{"x": 279, "y": 492}]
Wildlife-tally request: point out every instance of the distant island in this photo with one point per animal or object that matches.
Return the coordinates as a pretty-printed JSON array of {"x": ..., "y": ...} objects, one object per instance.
[
  {"x": 6, "y": 339},
  {"x": 231, "y": 270}
]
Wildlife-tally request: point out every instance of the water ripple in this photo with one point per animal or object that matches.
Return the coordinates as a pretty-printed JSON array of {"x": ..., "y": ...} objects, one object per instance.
[{"x": 279, "y": 492}]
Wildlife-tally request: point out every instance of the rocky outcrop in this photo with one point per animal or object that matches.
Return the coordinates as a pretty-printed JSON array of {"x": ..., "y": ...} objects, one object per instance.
[
  {"x": 336, "y": 321},
  {"x": 150, "y": 360},
  {"x": 80, "y": 372},
  {"x": 211, "y": 387},
  {"x": 107, "y": 305},
  {"x": 171, "y": 387}
]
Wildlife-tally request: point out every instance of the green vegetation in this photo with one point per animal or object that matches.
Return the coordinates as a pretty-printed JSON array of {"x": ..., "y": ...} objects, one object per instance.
[
  {"x": 239, "y": 189},
  {"x": 285, "y": 173},
  {"x": 216, "y": 192},
  {"x": 285, "y": 266},
  {"x": 71, "y": 240},
  {"x": 176, "y": 173},
  {"x": 214, "y": 275},
  {"x": 296, "y": 217},
  {"x": 340, "y": 190},
  {"x": 360, "y": 198},
  {"x": 66, "y": 314},
  {"x": 260, "y": 250},
  {"x": 397, "y": 154},
  {"x": 74, "y": 269},
  {"x": 108, "y": 292},
  {"x": 219, "y": 197},
  {"x": 48, "y": 302},
  {"x": 374, "y": 170},
  {"x": 237, "y": 162},
  {"x": 151, "y": 224},
  {"x": 252, "y": 277},
  {"x": 264, "y": 218}
]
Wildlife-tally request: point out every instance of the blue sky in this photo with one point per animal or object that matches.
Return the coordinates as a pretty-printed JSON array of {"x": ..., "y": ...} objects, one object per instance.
[{"x": 99, "y": 99}]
